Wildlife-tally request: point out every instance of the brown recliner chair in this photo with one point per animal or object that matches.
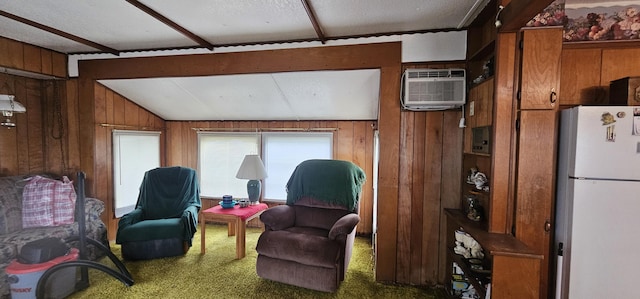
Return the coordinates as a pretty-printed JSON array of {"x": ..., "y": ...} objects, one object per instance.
[{"x": 308, "y": 242}]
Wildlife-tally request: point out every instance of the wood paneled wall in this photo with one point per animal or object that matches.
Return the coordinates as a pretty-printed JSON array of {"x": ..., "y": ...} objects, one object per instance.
[
  {"x": 112, "y": 111},
  {"x": 420, "y": 146},
  {"x": 383, "y": 56},
  {"x": 25, "y": 57},
  {"x": 352, "y": 141},
  {"x": 420, "y": 151},
  {"x": 109, "y": 111},
  {"x": 430, "y": 165},
  {"x": 40, "y": 141},
  {"x": 47, "y": 137},
  {"x": 20, "y": 154},
  {"x": 430, "y": 168}
]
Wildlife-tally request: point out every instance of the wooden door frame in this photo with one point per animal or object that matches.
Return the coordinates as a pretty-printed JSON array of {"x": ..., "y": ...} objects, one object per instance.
[{"x": 383, "y": 56}]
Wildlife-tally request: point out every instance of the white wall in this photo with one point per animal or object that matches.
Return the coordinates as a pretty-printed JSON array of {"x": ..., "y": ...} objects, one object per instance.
[
  {"x": 443, "y": 46},
  {"x": 425, "y": 47}
]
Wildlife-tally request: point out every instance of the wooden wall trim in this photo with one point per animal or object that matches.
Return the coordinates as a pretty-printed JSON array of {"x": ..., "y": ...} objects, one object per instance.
[
  {"x": 86, "y": 120},
  {"x": 389, "y": 137},
  {"x": 503, "y": 130},
  {"x": 383, "y": 56},
  {"x": 366, "y": 56}
]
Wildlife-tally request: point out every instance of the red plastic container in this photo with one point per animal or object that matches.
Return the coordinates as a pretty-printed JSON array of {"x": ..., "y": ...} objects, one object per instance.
[{"x": 24, "y": 278}]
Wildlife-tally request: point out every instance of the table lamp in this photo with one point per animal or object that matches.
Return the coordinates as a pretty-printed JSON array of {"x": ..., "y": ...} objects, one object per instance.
[{"x": 252, "y": 169}]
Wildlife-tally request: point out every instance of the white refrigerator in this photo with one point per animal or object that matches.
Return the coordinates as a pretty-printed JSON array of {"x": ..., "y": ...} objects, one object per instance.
[{"x": 597, "y": 233}]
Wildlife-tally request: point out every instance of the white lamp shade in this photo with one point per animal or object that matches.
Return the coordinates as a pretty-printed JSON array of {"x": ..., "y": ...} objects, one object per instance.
[
  {"x": 251, "y": 168},
  {"x": 6, "y": 104}
]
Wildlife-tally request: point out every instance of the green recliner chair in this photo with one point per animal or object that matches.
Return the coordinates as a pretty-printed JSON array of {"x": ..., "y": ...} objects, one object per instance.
[{"x": 166, "y": 215}]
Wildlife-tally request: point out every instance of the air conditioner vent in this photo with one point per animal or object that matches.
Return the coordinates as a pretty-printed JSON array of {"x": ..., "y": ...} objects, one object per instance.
[
  {"x": 433, "y": 89},
  {"x": 436, "y": 73}
]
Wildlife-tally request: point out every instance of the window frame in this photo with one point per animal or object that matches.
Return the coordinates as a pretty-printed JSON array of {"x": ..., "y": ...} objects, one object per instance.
[
  {"x": 200, "y": 135},
  {"x": 265, "y": 136},
  {"x": 134, "y": 179}
]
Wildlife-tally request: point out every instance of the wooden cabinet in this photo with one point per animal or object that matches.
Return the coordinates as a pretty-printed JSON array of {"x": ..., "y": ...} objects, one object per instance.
[
  {"x": 514, "y": 267},
  {"x": 540, "y": 68},
  {"x": 625, "y": 91},
  {"x": 535, "y": 187},
  {"x": 588, "y": 71},
  {"x": 522, "y": 106},
  {"x": 537, "y": 137},
  {"x": 580, "y": 78}
]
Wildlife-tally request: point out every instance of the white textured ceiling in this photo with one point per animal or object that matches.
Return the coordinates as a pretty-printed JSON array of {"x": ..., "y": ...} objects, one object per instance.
[
  {"x": 319, "y": 95},
  {"x": 119, "y": 26}
]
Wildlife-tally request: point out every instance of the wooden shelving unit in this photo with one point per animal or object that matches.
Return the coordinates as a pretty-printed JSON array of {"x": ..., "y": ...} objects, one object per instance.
[
  {"x": 516, "y": 268},
  {"x": 498, "y": 249},
  {"x": 492, "y": 243},
  {"x": 478, "y": 282}
]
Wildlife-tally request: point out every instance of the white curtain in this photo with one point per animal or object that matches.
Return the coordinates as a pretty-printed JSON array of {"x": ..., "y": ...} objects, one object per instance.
[{"x": 134, "y": 152}]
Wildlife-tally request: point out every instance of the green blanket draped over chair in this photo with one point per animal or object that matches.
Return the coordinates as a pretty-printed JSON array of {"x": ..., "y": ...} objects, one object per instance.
[
  {"x": 333, "y": 181},
  {"x": 166, "y": 194}
]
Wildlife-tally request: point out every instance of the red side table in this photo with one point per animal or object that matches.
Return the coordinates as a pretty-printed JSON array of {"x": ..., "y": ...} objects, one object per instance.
[{"x": 236, "y": 219}]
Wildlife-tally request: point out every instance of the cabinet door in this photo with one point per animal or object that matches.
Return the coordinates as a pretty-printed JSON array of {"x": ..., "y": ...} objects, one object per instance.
[
  {"x": 580, "y": 79},
  {"x": 535, "y": 187},
  {"x": 540, "y": 70}
]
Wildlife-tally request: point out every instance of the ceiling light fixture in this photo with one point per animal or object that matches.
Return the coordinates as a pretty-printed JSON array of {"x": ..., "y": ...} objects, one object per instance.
[
  {"x": 8, "y": 107},
  {"x": 498, "y": 22}
]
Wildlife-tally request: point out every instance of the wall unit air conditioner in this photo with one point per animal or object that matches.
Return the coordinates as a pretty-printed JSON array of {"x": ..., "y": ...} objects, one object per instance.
[{"x": 433, "y": 89}]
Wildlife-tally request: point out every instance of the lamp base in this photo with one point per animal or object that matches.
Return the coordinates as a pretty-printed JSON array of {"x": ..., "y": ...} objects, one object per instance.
[{"x": 254, "y": 187}]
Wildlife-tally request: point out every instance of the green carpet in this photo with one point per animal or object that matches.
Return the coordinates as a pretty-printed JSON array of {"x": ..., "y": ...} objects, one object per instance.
[{"x": 217, "y": 274}]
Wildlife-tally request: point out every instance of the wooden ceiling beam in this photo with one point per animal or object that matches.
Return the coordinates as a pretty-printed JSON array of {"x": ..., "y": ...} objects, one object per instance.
[
  {"x": 517, "y": 13},
  {"x": 148, "y": 10},
  {"x": 60, "y": 33},
  {"x": 314, "y": 21}
]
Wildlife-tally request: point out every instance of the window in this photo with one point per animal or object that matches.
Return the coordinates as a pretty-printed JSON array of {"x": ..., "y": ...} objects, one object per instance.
[
  {"x": 134, "y": 152},
  {"x": 219, "y": 157},
  {"x": 282, "y": 152}
]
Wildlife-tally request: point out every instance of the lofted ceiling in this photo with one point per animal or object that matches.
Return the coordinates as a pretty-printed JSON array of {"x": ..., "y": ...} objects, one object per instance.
[{"x": 119, "y": 27}]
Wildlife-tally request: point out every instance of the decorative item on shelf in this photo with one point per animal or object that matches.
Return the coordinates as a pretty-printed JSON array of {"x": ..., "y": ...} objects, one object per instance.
[
  {"x": 8, "y": 106},
  {"x": 467, "y": 246},
  {"x": 243, "y": 203},
  {"x": 470, "y": 198},
  {"x": 252, "y": 169},
  {"x": 227, "y": 202},
  {"x": 475, "y": 211},
  {"x": 478, "y": 179},
  {"x": 487, "y": 68}
]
